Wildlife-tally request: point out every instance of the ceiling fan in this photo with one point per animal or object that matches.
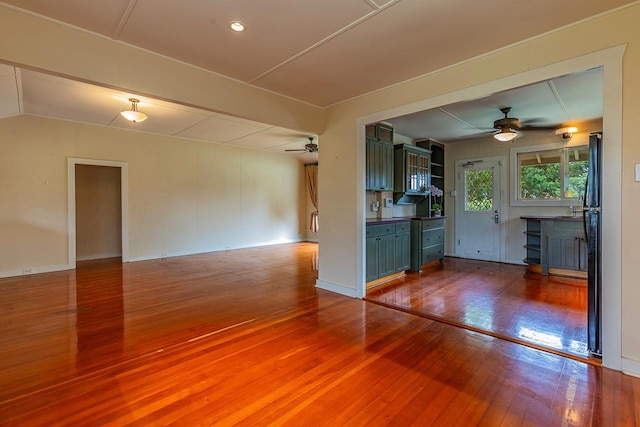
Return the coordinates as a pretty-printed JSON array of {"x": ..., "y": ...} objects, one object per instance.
[
  {"x": 508, "y": 127},
  {"x": 311, "y": 147}
]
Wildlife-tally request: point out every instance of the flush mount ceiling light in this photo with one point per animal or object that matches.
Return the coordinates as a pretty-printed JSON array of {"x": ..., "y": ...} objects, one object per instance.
[
  {"x": 237, "y": 26},
  {"x": 567, "y": 132},
  {"x": 133, "y": 115}
]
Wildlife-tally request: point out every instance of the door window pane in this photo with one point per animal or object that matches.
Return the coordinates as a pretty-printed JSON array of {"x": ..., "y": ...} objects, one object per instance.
[{"x": 478, "y": 190}]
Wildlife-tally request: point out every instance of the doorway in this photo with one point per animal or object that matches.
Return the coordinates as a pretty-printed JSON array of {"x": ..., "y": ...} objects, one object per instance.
[
  {"x": 98, "y": 212},
  {"x": 479, "y": 208},
  {"x": 113, "y": 169}
]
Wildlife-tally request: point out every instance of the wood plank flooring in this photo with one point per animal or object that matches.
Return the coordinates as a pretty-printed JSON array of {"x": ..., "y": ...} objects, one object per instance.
[
  {"x": 503, "y": 300},
  {"x": 244, "y": 338}
]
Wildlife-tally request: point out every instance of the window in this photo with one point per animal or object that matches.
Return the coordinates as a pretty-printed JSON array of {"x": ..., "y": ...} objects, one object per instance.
[
  {"x": 551, "y": 176},
  {"x": 478, "y": 190}
]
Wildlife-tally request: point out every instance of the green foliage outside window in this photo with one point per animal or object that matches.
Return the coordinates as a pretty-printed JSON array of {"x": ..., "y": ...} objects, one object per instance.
[
  {"x": 553, "y": 174},
  {"x": 479, "y": 185},
  {"x": 578, "y": 171},
  {"x": 540, "y": 181}
]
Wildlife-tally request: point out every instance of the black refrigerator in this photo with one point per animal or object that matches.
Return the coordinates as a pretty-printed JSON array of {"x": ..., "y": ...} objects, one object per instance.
[{"x": 592, "y": 219}]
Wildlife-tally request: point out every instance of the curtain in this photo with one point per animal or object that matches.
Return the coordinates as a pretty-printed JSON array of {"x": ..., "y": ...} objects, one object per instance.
[{"x": 312, "y": 185}]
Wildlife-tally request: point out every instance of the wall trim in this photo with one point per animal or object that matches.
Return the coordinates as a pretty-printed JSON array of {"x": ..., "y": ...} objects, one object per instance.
[
  {"x": 150, "y": 257},
  {"x": 631, "y": 367},
  {"x": 334, "y": 287},
  {"x": 97, "y": 256},
  {"x": 611, "y": 59},
  {"x": 71, "y": 202},
  {"x": 28, "y": 271}
]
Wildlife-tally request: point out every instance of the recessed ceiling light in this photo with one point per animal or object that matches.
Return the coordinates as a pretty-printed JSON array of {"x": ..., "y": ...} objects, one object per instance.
[{"x": 236, "y": 26}]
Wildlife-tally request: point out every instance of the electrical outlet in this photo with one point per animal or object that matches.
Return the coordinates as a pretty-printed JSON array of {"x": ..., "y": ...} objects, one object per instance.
[
  {"x": 163, "y": 255},
  {"x": 26, "y": 271}
]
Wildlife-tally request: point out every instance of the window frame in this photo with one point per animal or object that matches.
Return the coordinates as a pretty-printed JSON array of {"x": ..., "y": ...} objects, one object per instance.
[{"x": 514, "y": 172}]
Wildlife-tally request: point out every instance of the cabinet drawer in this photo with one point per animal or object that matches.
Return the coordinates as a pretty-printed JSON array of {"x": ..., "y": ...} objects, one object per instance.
[
  {"x": 431, "y": 224},
  {"x": 432, "y": 237},
  {"x": 432, "y": 253},
  {"x": 380, "y": 230},
  {"x": 403, "y": 227}
]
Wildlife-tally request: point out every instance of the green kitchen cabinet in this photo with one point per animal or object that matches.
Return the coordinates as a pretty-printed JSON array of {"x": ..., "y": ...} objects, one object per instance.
[
  {"x": 567, "y": 248},
  {"x": 411, "y": 170},
  {"x": 379, "y": 166},
  {"x": 555, "y": 243},
  {"x": 388, "y": 249},
  {"x": 427, "y": 241}
]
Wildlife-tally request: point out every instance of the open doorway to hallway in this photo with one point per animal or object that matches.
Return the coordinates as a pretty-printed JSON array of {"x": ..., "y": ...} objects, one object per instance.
[{"x": 98, "y": 212}]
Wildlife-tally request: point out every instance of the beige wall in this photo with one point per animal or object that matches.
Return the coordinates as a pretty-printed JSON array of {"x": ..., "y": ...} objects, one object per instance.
[
  {"x": 184, "y": 196},
  {"x": 98, "y": 212}
]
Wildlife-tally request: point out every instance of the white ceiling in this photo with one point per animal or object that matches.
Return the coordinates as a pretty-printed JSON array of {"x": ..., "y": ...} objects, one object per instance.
[
  {"x": 552, "y": 104},
  {"x": 31, "y": 92},
  {"x": 318, "y": 51}
]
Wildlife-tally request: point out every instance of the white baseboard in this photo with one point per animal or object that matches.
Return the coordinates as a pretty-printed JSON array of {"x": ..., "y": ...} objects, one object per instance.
[
  {"x": 206, "y": 250},
  {"x": 339, "y": 289},
  {"x": 631, "y": 367},
  {"x": 98, "y": 256},
  {"x": 27, "y": 271}
]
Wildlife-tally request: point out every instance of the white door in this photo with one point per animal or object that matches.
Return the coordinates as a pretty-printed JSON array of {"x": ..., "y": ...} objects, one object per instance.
[{"x": 478, "y": 209}]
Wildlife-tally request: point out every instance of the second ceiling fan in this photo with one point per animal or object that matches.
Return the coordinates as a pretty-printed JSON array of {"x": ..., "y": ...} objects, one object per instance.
[{"x": 310, "y": 147}]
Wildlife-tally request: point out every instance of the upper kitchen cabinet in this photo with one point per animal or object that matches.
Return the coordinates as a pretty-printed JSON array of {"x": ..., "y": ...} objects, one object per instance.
[
  {"x": 411, "y": 170},
  {"x": 437, "y": 171},
  {"x": 379, "y": 167},
  {"x": 380, "y": 132}
]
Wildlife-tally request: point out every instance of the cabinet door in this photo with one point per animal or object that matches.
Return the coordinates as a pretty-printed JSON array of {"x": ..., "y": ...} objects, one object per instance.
[
  {"x": 412, "y": 178},
  {"x": 372, "y": 258},
  {"x": 379, "y": 166},
  {"x": 403, "y": 251},
  {"x": 583, "y": 256},
  {"x": 386, "y": 255},
  {"x": 564, "y": 252},
  {"x": 423, "y": 173},
  {"x": 386, "y": 167},
  {"x": 373, "y": 172}
]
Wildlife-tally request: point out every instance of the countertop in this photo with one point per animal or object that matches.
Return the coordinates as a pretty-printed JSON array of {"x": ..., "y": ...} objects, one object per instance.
[
  {"x": 376, "y": 221},
  {"x": 553, "y": 218}
]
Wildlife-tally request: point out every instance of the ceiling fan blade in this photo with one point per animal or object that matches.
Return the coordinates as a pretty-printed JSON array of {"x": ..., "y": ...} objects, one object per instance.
[{"x": 299, "y": 149}]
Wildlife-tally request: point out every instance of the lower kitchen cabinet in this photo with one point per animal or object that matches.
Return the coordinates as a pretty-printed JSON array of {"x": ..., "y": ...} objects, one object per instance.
[
  {"x": 427, "y": 241},
  {"x": 555, "y": 243},
  {"x": 388, "y": 249},
  {"x": 567, "y": 248}
]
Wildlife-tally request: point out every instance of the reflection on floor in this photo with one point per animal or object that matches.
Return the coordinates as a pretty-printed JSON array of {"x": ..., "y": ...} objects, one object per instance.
[{"x": 504, "y": 300}]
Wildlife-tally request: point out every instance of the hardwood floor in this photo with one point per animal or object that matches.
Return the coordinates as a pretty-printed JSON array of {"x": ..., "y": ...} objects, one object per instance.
[
  {"x": 243, "y": 337},
  {"x": 503, "y": 300}
]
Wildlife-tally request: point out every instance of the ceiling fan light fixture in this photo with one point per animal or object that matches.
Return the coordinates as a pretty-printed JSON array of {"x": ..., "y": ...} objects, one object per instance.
[
  {"x": 505, "y": 135},
  {"x": 133, "y": 115}
]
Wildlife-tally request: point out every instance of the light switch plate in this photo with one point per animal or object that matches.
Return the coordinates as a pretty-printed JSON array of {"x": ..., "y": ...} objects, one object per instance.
[
  {"x": 388, "y": 202},
  {"x": 637, "y": 172}
]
